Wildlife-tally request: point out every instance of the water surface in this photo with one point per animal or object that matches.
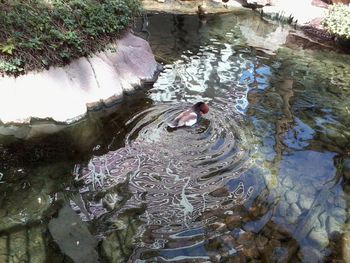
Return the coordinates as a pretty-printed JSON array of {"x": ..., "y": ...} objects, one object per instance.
[{"x": 263, "y": 176}]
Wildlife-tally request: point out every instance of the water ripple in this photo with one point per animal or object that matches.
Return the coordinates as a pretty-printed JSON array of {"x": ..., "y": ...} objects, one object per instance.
[
  {"x": 173, "y": 172},
  {"x": 176, "y": 174}
]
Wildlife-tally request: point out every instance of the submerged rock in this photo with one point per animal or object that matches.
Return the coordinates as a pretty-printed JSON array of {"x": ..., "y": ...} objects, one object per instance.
[
  {"x": 17, "y": 251},
  {"x": 261, "y": 241},
  {"x": 305, "y": 201},
  {"x": 73, "y": 237},
  {"x": 319, "y": 236},
  {"x": 346, "y": 244},
  {"x": 347, "y": 168},
  {"x": 232, "y": 221},
  {"x": 34, "y": 203},
  {"x": 118, "y": 246},
  {"x": 291, "y": 197},
  {"x": 310, "y": 254},
  {"x": 36, "y": 248},
  {"x": 3, "y": 249}
]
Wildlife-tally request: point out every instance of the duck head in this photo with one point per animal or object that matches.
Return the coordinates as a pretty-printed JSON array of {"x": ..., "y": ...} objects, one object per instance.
[{"x": 201, "y": 108}]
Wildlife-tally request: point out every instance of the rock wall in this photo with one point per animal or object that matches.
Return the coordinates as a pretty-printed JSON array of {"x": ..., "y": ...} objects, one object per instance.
[{"x": 64, "y": 94}]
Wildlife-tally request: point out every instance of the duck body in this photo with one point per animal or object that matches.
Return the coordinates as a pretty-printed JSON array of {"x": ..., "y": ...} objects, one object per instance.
[{"x": 190, "y": 116}]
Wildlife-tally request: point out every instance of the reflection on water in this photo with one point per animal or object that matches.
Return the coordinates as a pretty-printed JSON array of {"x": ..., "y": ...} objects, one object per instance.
[
  {"x": 260, "y": 177},
  {"x": 174, "y": 174}
]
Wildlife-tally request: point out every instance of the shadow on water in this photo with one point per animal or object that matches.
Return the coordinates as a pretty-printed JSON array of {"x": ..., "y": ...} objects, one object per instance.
[{"x": 262, "y": 177}]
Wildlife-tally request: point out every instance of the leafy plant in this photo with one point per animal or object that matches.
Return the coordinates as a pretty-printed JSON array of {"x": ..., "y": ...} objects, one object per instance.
[
  {"x": 337, "y": 21},
  {"x": 36, "y": 34},
  {"x": 7, "y": 48},
  {"x": 13, "y": 66}
]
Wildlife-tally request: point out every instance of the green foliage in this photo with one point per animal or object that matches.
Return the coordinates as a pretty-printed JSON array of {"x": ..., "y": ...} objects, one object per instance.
[
  {"x": 7, "y": 47},
  {"x": 337, "y": 22},
  {"x": 279, "y": 17},
  {"x": 38, "y": 33},
  {"x": 13, "y": 66}
]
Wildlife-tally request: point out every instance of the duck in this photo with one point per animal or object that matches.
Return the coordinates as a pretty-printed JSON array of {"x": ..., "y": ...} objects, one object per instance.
[{"x": 190, "y": 116}]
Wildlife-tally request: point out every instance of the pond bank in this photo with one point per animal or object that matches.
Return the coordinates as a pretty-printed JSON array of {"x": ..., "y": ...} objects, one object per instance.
[
  {"x": 64, "y": 94},
  {"x": 85, "y": 88},
  {"x": 306, "y": 15},
  {"x": 302, "y": 11}
]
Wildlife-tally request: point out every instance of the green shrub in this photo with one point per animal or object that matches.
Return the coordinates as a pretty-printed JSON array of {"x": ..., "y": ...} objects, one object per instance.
[
  {"x": 36, "y": 34},
  {"x": 337, "y": 21}
]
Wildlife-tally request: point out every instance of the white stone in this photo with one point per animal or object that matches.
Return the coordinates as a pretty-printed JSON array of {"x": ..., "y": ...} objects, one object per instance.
[
  {"x": 233, "y": 3},
  {"x": 333, "y": 225},
  {"x": 296, "y": 210},
  {"x": 283, "y": 208},
  {"x": 319, "y": 236},
  {"x": 288, "y": 182},
  {"x": 339, "y": 213},
  {"x": 292, "y": 214},
  {"x": 64, "y": 94},
  {"x": 301, "y": 10},
  {"x": 291, "y": 197},
  {"x": 305, "y": 201}
]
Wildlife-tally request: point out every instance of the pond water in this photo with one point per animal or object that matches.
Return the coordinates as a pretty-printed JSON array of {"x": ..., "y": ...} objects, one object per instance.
[{"x": 263, "y": 177}]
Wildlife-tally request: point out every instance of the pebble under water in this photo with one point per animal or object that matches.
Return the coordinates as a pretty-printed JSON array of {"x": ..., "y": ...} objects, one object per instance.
[{"x": 263, "y": 177}]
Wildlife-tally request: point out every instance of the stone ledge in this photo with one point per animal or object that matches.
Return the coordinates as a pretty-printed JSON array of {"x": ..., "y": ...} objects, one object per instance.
[{"x": 65, "y": 94}]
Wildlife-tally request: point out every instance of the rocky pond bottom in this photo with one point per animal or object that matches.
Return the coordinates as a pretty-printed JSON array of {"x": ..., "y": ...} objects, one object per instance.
[{"x": 263, "y": 177}]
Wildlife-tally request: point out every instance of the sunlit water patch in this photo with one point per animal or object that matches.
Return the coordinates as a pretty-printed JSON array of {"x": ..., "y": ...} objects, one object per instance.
[{"x": 217, "y": 72}]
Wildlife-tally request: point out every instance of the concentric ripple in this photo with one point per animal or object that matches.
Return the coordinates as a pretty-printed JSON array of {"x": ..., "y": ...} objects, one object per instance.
[
  {"x": 184, "y": 178},
  {"x": 172, "y": 172}
]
